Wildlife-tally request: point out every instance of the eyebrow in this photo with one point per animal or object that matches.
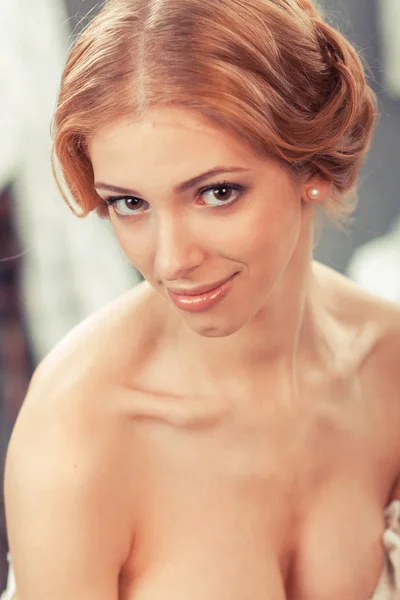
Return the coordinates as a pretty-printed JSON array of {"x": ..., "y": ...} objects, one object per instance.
[{"x": 178, "y": 189}]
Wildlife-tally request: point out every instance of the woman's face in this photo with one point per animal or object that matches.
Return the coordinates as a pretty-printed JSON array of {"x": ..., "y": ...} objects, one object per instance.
[{"x": 243, "y": 219}]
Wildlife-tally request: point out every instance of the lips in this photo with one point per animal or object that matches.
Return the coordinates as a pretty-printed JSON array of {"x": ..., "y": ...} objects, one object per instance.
[
  {"x": 192, "y": 301},
  {"x": 199, "y": 290}
]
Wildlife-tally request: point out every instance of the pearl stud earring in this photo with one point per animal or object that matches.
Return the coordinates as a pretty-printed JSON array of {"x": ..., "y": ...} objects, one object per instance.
[{"x": 314, "y": 194}]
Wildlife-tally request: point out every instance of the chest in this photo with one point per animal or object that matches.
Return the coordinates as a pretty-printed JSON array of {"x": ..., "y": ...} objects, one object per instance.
[{"x": 243, "y": 513}]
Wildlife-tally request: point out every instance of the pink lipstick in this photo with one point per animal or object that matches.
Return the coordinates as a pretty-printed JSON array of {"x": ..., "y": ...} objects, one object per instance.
[{"x": 202, "y": 301}]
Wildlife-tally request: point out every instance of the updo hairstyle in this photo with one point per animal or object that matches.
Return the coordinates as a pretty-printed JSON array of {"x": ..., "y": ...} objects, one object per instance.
[{"x": 273, "y": 72}]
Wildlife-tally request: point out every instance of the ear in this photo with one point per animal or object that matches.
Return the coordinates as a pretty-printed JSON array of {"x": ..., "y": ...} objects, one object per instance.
[{"x": 315, "y": 190}]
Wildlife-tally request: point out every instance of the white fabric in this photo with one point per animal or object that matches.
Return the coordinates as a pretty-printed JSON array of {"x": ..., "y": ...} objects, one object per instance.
[
  {"x": 10, "y": 592},
  {"x": 389, "y": 584},
  {"x": 389, "y": 19}
]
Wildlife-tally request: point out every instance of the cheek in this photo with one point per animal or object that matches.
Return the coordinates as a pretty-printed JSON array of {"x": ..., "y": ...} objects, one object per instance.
[
  {"x": 131, "y": 243},
  {"x": 270, "y": 233}
]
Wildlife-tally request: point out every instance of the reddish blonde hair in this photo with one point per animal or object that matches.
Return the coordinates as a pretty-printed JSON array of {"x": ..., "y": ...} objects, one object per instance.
[{"x": 270, "y": 71}]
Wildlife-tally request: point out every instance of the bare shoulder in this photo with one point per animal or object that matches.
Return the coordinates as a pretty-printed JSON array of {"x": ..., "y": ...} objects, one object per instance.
[
  {"x": 377, "y": 319},
  {"x": 357, "y": 300},
  {"x": 77, "y": 389},
  {"x": 96, "y": 346},
  {"x": 373, "y": 326},
  {"x": 72, "y": 452}
]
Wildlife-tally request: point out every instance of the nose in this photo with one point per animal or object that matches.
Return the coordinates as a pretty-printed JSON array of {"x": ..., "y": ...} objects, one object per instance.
[{"x": 178, "y": 250}]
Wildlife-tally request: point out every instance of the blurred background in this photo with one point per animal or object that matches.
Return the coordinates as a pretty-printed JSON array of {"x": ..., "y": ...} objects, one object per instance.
[{"x": 55, "y": 269}]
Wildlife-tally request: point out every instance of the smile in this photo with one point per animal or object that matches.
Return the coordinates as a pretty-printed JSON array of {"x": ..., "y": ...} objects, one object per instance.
[{"x": 195, "y": 301}]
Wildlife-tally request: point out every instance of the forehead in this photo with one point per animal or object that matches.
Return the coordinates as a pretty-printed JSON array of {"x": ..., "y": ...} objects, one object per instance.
[{"x": 167, "y": 138}]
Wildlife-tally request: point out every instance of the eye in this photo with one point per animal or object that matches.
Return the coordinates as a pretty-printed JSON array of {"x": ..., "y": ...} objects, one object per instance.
[
  {"x": 125, "y": 205},
  {"x": 220, "y": 195},
  {"x": 223, "y": 193}
]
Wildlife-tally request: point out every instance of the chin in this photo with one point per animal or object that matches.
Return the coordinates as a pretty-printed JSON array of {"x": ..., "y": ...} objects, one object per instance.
[
  {"x": 213, "y": 329},
  {"x": 215, "y": 332}
]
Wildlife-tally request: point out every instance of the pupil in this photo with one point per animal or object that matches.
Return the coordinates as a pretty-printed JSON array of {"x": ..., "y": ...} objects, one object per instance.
[
  {"x": 222, "y": 191},
  {"x": 132, "y": 202}
]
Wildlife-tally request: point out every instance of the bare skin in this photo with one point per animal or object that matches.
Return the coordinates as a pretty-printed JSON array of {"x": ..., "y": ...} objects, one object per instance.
[{"x": 246, "y": 452}]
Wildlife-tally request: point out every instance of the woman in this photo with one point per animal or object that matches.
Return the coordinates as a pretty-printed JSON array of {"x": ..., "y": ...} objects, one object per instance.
[{"x": 230, "y": 428}]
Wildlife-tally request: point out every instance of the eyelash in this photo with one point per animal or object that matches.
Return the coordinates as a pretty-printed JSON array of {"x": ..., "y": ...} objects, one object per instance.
[{"x": 112, "y": 200}]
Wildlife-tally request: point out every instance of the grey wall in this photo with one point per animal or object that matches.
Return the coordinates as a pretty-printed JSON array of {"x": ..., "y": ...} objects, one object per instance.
[
  {"x": 80, "y": 11},
  {"x": 379, "y": 179}
]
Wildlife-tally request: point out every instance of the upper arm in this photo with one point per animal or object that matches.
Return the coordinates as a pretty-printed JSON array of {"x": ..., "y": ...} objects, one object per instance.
[
  {"x": 380, "y": 377},
  {"x": 389, "y": 375},
  {"x": 66, "y": 506}
]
